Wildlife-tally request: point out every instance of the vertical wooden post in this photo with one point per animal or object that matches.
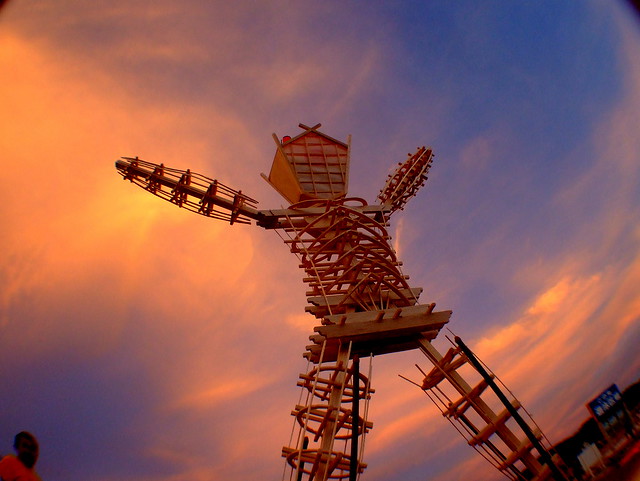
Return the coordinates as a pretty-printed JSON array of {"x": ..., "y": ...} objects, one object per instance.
[
  {"x": 333, "y": 411},
  {"x": 355, "y": 419}
]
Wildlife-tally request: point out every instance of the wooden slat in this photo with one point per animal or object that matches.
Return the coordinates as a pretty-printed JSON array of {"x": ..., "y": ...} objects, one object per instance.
[
  {"x": 521, "y": 450},
  {"x": 490, "y": 429},
  {"x": 363, "y": 349},
  {"x": 355, "y": 317},
  {"x": 321, "y": 306},
  {"x": 371, "y": 330},
  {"x": 449, "y": 362}
]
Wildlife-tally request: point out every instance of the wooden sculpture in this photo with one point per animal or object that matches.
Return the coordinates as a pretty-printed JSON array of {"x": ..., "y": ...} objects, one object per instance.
[{"x": 357, "y": 291}]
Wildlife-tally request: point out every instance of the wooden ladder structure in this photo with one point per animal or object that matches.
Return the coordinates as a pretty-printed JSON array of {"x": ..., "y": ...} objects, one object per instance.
[
  {"x": 360, "y": 295},
  {"x": 486, "y": 423},
  {"x": 327, "y": 418}
]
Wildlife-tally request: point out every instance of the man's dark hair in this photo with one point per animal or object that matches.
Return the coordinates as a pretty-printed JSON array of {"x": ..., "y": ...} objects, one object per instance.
[{"x": 24, "y": 435}]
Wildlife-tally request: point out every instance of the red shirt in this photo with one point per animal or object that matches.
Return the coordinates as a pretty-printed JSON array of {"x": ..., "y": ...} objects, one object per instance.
[{"x": 12, "y": 469}]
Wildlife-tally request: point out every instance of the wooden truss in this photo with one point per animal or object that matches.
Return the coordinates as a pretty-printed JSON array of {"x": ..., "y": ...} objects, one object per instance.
[
  {"x": 405, "y": 182},
  {"x": 194, "y": 192},
  {"x": 357, "y": 291},
  {"x": 462, "y": 396},
  {"x": 311, "y": 165}
]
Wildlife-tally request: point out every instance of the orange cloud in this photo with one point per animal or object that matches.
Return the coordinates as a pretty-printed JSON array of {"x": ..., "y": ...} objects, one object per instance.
[
  {"x": 72, "y": 219},
  {"x": 204, "y": 311},
  {"x": 589, "y": 303},
  {"x": 92, "y": 264},
  {"x": 222, "y": 390}
]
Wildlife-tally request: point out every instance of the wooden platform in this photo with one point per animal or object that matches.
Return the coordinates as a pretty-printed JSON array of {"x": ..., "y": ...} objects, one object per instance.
[{"x": 376, "y": 332}]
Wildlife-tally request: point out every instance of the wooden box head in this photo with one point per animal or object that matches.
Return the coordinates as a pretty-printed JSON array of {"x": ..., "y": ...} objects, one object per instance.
[{"x": 310, "y": 166}]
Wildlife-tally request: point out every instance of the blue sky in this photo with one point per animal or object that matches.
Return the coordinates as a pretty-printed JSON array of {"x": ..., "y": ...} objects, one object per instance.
[{"x": 138, "y": 341}]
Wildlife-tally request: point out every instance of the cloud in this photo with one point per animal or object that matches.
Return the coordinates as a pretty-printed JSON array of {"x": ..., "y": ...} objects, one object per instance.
[
  {"x": 180, "y": 334},
  {"x": 477, "y": 153},
  {"x": 606, "y": 192},
  {"x": 98, "y": 274},
  {"x": 72, "y": 222},
  {"x": 303, "y": 322},
  {"x": 572, "y": 338},
  {"x": 206, "y": 397},
  {"x": 567, "y": 338}
]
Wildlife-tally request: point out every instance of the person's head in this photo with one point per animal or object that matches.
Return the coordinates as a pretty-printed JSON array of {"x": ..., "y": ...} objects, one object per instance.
[{"x": 26, "y": 447}]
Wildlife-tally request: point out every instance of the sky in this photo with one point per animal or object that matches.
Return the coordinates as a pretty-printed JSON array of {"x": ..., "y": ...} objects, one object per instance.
[{"x": 142, "y": 342}]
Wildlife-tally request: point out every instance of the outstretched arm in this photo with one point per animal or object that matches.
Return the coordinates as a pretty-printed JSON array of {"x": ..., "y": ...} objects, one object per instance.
[
  {"x": 405, "y": 182},
  {"x": 192, "y": 191}
]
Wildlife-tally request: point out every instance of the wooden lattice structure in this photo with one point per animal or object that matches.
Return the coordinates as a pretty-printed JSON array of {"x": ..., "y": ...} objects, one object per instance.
[
  {"x": 464, "y": 398},
  {"x": 311, "y": 165},
  {"x": 356, "y": 289}
]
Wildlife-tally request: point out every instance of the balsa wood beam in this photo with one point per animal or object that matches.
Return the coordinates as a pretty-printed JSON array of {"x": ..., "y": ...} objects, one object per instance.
[
  {"x": 394, "y": 313},
  {"x": 372, "y": 330},
  {"x": 387, "y": 345}
]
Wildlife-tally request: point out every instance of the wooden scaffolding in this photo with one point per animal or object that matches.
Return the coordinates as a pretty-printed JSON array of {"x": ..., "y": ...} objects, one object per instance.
[{"x": 356, "y": 289}]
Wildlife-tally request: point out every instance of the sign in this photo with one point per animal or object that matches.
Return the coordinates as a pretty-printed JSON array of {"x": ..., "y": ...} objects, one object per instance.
[
  {"x": 610, "y": 413},
  {"x": 603, "y": 405}
]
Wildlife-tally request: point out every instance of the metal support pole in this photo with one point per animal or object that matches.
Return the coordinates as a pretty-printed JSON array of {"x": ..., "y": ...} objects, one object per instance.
[
  {"x": 355, "y": 419},
  {"x": 544, "y": 454},
  {"x": 305, "y": 445}
]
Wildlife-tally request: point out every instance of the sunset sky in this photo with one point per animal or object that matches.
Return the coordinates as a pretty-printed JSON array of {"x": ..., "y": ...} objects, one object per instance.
[{"x": 141, "y": 342}]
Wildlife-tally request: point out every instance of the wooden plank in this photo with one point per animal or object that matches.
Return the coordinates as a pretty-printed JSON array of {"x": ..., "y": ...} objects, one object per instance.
[
  {"x": 314, "y": 211},
  {"x": 520, "y": 452},
  {"x": 451, "y": 361},
  {"x": 320, "y": 301},
  {"x": 491, "y": 428},
  {"x": 282, "y": 177},
  {"x": 376, "y": 348},
  {"x": 377, "y": 331},
  {"x": 355, "y": 317},
  {"x": 300, "y": 221}
]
